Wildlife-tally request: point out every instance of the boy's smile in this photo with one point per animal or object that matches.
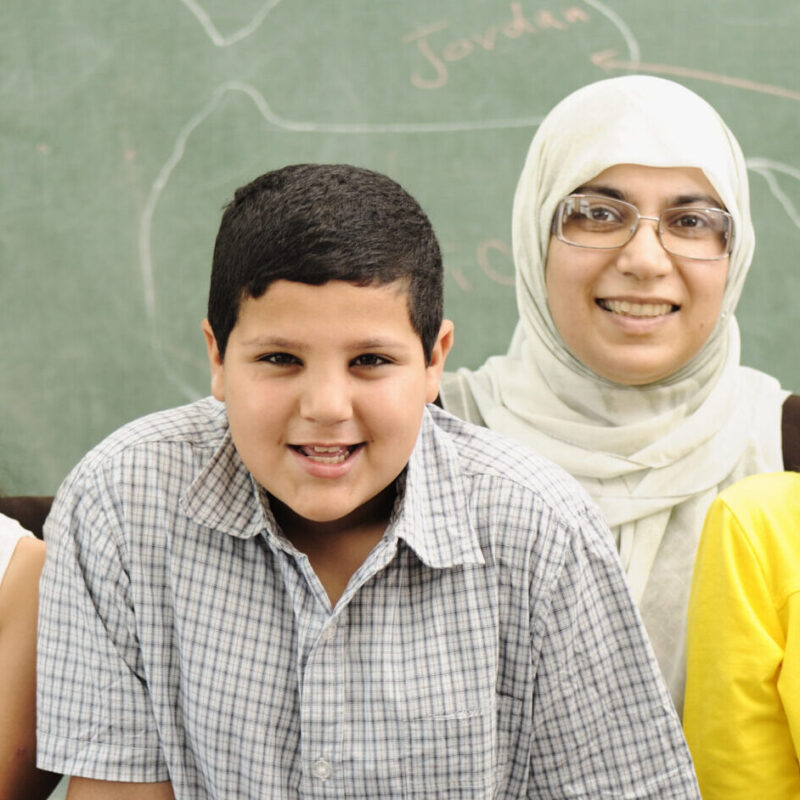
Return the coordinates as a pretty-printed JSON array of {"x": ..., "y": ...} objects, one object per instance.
[
  {"x": 327, "y": 461},
  {"x": 324, "y": 388}
]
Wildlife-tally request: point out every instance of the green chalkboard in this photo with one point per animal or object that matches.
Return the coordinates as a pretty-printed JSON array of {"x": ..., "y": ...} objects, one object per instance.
[{"x": 125, "y": 126}]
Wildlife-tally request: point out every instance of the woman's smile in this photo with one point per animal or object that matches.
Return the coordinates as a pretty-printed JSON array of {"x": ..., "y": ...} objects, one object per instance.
[{"x": 636, "y": 308}]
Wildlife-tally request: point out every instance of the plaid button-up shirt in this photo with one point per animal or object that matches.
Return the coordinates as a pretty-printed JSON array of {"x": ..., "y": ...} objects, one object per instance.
[{"x": 487, "y": 647}]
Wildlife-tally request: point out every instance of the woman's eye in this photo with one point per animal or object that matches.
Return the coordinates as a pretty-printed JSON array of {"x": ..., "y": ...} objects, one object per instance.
[
  {"x": 691, "y": 220},
  {"x": 280, "y": 359},
  {"x": 714, "y": 218},
  {"x": 596, "y": 211},
  {"x": 369, "y": 360},
  {"x": 602, "y": 215}
]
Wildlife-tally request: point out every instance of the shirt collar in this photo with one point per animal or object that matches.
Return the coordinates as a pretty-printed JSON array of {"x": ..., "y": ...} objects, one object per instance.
[
  {"x": 224, "y": 496},
  {"x": 432, "y": 516},
  {"x": 434, "y": 520}
]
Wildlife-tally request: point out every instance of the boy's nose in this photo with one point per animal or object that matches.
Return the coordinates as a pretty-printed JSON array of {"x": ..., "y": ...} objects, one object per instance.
[
  {"x": 644, "y": 257},
  {"x": 326, "y": 400}
]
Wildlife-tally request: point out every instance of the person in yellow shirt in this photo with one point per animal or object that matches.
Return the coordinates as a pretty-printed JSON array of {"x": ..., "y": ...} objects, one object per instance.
[{"x": 742, "y": 705}]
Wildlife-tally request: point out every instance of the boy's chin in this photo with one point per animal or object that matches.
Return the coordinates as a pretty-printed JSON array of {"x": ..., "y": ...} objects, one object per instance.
[{"x": 375, "y": 511}]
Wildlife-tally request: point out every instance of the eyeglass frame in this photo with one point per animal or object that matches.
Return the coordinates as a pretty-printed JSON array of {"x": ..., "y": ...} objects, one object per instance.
[{"x": 557, "y": 225}]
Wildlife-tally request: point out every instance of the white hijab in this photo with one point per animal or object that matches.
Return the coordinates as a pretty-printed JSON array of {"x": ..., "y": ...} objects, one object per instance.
[{"x": 651, "y": 456}]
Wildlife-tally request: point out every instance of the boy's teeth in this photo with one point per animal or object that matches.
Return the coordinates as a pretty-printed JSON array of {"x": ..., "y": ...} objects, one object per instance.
[
  {"x": 326, "y": 455},
  {"x": 636, "y": 309}
]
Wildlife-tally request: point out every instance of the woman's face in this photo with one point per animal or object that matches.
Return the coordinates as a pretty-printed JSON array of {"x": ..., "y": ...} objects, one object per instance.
[{"x": 637, "y": 314}]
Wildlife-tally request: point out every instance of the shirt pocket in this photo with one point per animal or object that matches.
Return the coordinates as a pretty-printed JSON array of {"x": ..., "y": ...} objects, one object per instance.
[
  {"x": 453, "y": 757},
  {"x": 457, "y": 756}
]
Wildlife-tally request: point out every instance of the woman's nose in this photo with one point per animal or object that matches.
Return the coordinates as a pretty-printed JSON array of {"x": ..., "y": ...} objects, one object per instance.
[{"x": 644, "y": 257}]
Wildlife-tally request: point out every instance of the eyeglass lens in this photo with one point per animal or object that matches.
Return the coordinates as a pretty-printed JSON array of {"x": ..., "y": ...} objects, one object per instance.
[{"x": 606, "y": 223}]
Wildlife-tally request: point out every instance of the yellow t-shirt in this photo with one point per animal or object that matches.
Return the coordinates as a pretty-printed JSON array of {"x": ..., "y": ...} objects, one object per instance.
[{"x": 742, "y": 707}]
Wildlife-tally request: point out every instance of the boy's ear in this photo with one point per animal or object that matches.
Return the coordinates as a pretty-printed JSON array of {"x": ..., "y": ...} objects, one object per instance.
[
  {"x": 444, "y": 341},
  {"x": 215, "y": 362}
]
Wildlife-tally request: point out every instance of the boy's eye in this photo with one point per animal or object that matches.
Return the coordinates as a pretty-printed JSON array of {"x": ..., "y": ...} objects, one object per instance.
[
  {"x": 369, "y": 360},
  {"x": 280, "y": 359}
]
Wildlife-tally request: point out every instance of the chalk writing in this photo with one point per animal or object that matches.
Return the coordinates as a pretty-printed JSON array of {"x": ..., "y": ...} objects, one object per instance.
[
  {"x": 485, "y": 248},
  {"x": 519, "y": 25},
  {"x": 460, "y": 278}
]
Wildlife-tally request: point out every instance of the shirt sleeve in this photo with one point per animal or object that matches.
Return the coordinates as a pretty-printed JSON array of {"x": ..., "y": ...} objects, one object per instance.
[
  {"x": 735, "y": 717},
  {"x": 94, "y": 714},
  {"x": 10, "y": 534},
  {"x": 604, "y": 724}
]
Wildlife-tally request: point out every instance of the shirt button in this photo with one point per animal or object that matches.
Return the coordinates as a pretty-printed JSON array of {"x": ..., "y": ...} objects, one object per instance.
[
  {"x": 329, "y": 632},
  {"x": 321, "y": 769}
]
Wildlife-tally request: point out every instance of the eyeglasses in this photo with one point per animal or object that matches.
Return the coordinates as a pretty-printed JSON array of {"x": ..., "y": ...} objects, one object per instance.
[{"x": 605, "y": 223}]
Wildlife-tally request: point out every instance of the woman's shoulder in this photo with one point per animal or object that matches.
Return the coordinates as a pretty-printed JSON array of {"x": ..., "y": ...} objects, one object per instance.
[
  {"x": 455, "y": 396},
  {"x": 790, "y": 433}
]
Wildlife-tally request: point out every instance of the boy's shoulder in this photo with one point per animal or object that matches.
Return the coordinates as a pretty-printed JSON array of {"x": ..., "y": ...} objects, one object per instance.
[
  {"x": 483, "y": 453},
  {"x": 201, "y": 425}
]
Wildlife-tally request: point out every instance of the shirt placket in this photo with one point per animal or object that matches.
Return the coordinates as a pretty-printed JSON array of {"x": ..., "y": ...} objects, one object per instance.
[
  {"x": 322, "y": 710},
  {"x": 323, "y": 637}
]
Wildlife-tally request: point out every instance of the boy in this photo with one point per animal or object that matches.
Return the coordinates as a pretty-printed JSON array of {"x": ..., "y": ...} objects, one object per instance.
[{"x": 314, "y": 585}]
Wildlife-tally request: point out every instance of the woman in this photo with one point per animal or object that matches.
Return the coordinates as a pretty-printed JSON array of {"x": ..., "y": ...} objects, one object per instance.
[
  {"x": 742, "y": 711},
  {"x": 624, "y": 367},
  {"x": 21, "y": 559}
]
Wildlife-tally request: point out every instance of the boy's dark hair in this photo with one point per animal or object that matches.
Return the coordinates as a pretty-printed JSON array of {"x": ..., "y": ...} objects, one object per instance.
[{"x": 314, "y": 223}]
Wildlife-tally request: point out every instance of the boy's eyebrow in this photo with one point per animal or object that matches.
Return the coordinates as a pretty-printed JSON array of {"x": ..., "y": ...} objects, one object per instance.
[
  {"x": 377, "y": 344},
  {"x": 270, "y": 341},
  {"x": 295, "y": 344}
]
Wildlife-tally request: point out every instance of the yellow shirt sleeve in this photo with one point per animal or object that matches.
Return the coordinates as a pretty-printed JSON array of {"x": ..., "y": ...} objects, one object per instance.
[{"x": 742, "y": 705}]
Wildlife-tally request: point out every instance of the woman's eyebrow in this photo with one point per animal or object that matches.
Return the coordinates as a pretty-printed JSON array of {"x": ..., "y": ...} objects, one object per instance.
[
  {"x": 698, "y": 197},
  {"x": 677, "y": 200},
  {"x": 606, "y": 191}
]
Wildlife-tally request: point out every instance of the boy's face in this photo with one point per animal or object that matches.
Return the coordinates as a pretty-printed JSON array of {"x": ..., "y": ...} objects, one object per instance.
[{"x": 324, "y": 388}]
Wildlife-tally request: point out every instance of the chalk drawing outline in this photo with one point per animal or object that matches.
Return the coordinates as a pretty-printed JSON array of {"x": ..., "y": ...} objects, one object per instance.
[
  {"x": 146, "y": 262},
  {"x": 226, "y": 41},
  {"x": 605, "y": 60},
  {"x": 179, "y": 148},
  {"x": 766, "y": 168},
  {"x": 219, "y": 40},
  {"x": 634, "y": 53}
]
